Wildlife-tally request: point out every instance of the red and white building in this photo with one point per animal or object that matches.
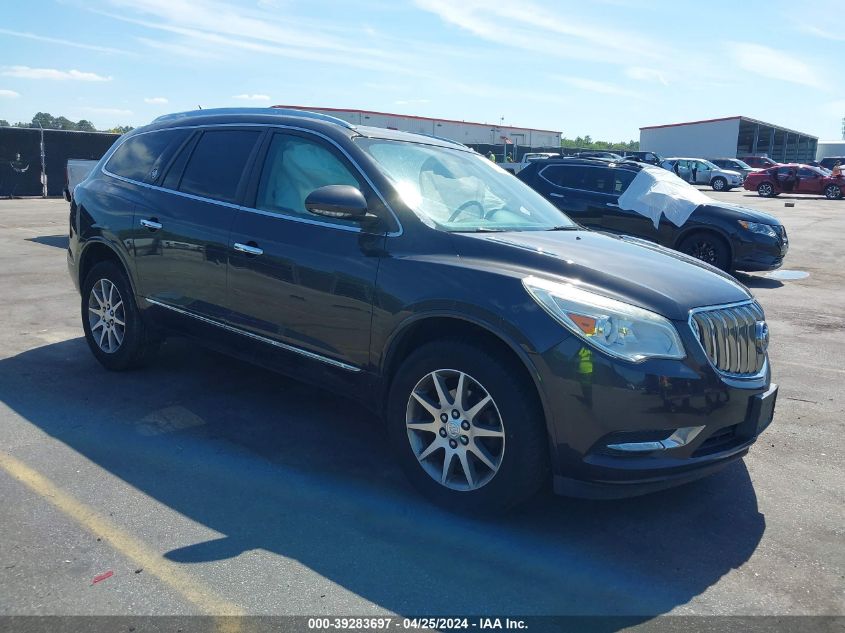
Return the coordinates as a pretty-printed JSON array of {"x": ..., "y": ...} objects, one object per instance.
[{"x": 466, "y": 132}]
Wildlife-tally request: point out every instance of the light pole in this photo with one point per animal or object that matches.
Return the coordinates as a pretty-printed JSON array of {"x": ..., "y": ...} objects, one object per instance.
[{"x": 43, "y": 163}]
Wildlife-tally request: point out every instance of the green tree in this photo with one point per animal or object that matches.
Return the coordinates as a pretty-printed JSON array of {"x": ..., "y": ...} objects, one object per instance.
[
  {"x": 84, "y": 125},
  {"x": 4, "y": 123},
  {"x": 120, "y": 129}
]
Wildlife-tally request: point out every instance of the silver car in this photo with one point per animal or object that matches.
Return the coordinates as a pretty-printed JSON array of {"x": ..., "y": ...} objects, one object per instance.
[{"x": 698, "y": 171}]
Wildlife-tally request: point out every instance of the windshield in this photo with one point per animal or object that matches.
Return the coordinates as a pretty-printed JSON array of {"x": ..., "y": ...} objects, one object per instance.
[
  {"x": 742, "y": 164},
  {"x": 455, "y": 190}
]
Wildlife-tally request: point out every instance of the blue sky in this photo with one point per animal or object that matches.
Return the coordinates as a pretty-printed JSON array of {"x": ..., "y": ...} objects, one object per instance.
[{"x": 602, "y": 68}]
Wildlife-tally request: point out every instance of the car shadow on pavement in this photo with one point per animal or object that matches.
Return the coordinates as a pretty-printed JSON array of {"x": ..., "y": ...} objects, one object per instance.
[
  {"x": 757, "y": 281},
  {"x": 58, "y": 241},
  {"x": 276, "y": 465}
]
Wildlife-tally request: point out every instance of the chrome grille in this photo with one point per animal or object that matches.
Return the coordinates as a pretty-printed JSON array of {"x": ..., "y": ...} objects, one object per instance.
[{"x": 728, "y": 336}]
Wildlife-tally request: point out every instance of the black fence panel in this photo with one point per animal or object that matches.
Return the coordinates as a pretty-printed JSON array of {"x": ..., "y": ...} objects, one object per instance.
[
  {"x": 22, "y": 176},
  {"x": 20, "y": 162},
  {"x": 60, "y": 146}
]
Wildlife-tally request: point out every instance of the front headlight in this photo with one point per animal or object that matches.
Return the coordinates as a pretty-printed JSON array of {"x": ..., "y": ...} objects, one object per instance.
[
  {"x": 614, "y": 327},
  {"x": 756, "y": 227}
]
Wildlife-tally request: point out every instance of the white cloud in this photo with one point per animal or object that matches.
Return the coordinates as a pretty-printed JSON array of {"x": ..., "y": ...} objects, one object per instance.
[
  {"x": 601, "y": 87},
  {"x": 647, "y": 74},
  {"x": 248, "y": 97},
  {"x": 773, "y": 64},
  {"x": 174, "y": 49},
  {"x": 822, "y": 33},
  {"x": 211, "y": 24},
  {"x": 26, "y": 72},
  {"x": 9, "y": 94},
  {"x": 156, "y": 100},
  {"x": 530, "y": 27},
  {"x": 110, "y": 111},
  {"x": 56, "y": 40}
]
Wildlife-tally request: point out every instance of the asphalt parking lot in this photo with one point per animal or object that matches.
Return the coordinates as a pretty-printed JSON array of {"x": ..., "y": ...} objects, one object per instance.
[{"x": 208, "y": 486}]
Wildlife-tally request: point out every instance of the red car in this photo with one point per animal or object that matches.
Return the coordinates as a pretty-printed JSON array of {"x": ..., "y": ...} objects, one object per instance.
[
  {"x": 758, "y": 162},
  {"x": 795, "y": 178}
]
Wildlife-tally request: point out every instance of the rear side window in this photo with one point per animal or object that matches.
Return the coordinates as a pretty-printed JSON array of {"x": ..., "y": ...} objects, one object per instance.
[
  {"x": 571, "y": 176},
  {"x": 295, "y": 167},
  {"x": 138, "y": 155},
  {"x": 217, "y": 164}
]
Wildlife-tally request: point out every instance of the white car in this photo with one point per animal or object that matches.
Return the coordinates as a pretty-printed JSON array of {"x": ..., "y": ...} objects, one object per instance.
[{"x": 698, "y": 171}]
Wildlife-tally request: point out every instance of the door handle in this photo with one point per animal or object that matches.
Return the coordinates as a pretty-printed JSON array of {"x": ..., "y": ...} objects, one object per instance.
[
  {"x": 152, "y": 224},
  {"x": 248, "y": 249},
  {"x": 556, "y": 195}
]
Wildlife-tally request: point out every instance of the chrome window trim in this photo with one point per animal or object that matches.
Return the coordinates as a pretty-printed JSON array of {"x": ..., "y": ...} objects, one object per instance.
[
  {"x": 294, "y": 218},
  {"x": 694, "y": 328},
  {"x": 257, "y": 337}
]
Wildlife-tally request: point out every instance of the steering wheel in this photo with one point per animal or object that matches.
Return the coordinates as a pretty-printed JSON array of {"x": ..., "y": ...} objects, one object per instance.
[{"x": 464, "y": 207}]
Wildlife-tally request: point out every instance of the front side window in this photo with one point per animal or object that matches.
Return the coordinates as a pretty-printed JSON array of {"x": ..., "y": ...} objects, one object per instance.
[
  {"x": 136, "y": 157},
  {"x": 295, "y": 167},
  {"x": 456, "y": 190},
  {"x": 217, "y": 164}
]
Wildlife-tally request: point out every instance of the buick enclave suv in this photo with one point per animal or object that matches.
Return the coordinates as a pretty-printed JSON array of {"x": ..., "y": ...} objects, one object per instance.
[{"x": 503, "y": 345}]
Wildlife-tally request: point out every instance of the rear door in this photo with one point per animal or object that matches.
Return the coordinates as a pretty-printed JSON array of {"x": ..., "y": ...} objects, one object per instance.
[
  {"x": 182, "y": 259},
  {"x": 564, "y": 186}
]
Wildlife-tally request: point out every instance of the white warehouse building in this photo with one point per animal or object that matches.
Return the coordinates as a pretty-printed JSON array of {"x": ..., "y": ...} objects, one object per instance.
[
  {"x": 729, "y": 137},
  {"x": 466, "y": 132}
]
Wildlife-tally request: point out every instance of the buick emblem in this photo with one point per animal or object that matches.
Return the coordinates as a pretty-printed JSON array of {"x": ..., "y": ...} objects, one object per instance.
[{"x": 761, "y": 336}]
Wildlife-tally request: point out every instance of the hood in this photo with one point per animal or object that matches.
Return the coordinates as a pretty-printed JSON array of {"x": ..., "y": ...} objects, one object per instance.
[
  {"x": 634, "y": 271},
  {"x": 737, "y": 212}
]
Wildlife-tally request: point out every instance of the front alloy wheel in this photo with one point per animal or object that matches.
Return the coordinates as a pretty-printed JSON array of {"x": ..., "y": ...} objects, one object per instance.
[
  {"x": 766, "y": 190},
  {"x": 106, "y": 316},
  {"x": 833, "y": 192},
  {"x": 455, "y": 429}
]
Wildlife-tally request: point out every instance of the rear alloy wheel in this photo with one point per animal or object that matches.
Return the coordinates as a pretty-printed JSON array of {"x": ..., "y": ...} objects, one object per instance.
[
  {"x": 766, "y": 190},
  {"x": 708, "y": 247},
  {"x": 833, "y": 192},
  {"x": 467, "y": 427},
  {"x": 114, "y": 329},
  {"x": 719, "y": 184}
]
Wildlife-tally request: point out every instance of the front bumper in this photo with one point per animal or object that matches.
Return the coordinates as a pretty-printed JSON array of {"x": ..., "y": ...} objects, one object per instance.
[
  {"x": 595, "y": 401},
  {"x": 757, "y": 252}
]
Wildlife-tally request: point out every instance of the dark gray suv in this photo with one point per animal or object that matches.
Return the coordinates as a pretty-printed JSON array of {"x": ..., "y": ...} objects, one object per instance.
[{"x": 504, "y": 346}]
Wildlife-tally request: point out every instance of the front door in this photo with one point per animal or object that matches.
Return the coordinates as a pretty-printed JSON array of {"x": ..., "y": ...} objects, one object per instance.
[
  {"x": 301, "y": 280},
  {"x": 809, "y": 181}
]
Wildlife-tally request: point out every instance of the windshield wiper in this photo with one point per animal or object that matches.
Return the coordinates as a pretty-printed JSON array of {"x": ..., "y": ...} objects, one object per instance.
[{"x": 564, "y": 227}]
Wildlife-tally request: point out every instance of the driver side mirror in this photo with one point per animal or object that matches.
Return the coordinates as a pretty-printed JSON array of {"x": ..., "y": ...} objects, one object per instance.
[{"x": 337, "y": 201}]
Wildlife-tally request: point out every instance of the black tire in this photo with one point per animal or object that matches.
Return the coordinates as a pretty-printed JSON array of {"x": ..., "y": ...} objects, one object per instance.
[
  {"x": 833, "y": 192},
  {"x": 137, "y": 345},
  {"x": 524, "y": 464},
  {"x": 766, "y": 190},
  {"x": 708, "y": 247},
  {"x": 719, "y": 184}
]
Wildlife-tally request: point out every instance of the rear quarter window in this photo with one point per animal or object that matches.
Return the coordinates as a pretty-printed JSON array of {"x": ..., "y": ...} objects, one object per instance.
[{"x": 138, "y": 155}]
